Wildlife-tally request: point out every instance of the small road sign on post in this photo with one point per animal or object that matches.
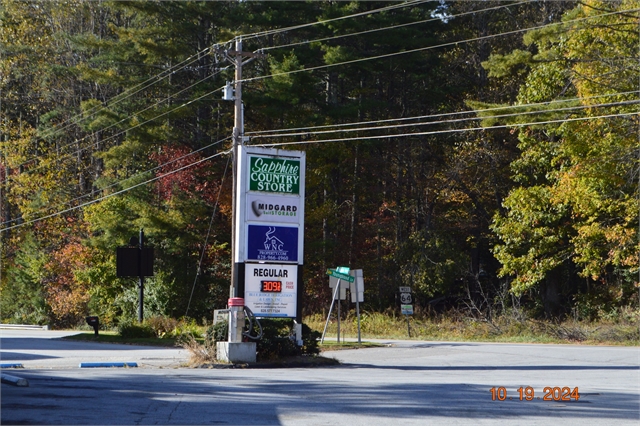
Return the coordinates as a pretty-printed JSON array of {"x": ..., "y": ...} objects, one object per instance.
[
  {"x": 405, "y": 305},
  {"x": 406, "y": 309},
  {"x": 340, "y": 275}
]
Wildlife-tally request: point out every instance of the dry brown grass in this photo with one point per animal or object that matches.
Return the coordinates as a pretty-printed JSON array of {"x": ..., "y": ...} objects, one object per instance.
[{"x": 199, "y": 352}]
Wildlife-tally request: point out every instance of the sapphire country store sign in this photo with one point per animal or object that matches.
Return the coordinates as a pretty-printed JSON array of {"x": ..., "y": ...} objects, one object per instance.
[
  {"x": 274, "y": 175},
  {"x": 272, "y": 243}
]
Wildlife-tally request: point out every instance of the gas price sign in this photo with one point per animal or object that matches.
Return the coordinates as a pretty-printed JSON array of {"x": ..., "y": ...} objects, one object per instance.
[
  {"x": 271, "y": 286},
  {"x": 271, "y": 290}
]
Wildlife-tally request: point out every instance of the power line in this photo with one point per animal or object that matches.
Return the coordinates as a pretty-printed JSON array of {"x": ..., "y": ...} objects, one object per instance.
[
  {"x": 178, "y": 67},
  {"x": 438, "y": 132},
  {"x": 326, "y": 21},
  {"x": 457, "y": 120},
  {"x": 129, "y": 92},
  {"x": 330, "y": 65},
  {"x": 69, "y": 155},
  {"x": 474, "y": 39},
  {"x": 422, "y": 49},
  {"x": 393, "y": 27},
  {"x": 413, "y": 134},
  {"x": 118, "y": 183},
  {"x": 196, "y": 56},
  {"x": 122, "y": 191},
  {"x": 395, "y": 126}
]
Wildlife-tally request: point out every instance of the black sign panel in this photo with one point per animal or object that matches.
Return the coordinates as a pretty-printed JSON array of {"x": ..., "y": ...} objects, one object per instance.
[{"x": 128, "y": 262}]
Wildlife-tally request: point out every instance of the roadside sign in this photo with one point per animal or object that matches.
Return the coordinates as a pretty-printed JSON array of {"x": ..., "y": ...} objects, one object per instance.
[
  {"x": 341, "y": 276},
  {"x": 357, "y": 287},
  {"x": 333, "y": 283},
  {"x": 406, "y": 309},
  {"x": 405, "y": 289},
  {"x": 220, "y": 315},
  {"x": 271, "y": 289},
  {"x": 405, "y": 298}
]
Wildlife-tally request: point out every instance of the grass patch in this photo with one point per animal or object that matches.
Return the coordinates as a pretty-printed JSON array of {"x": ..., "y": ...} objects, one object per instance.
[{"x": 457, "y": 327}]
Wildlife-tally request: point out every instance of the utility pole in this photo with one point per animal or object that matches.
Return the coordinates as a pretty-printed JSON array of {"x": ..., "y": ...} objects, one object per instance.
[{"x": 236, "y": 57}]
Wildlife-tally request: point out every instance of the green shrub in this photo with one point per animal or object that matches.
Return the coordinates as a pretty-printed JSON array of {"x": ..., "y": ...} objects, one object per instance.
[
  {"x": 162, "y": 326},
  {"x": 278, "y": 340},
  {"x": 129, "y": 330},
  {"x": 310, "y": 341},
  {"x": 218, "y": 332},
  {"x": 186, "y": 327}
]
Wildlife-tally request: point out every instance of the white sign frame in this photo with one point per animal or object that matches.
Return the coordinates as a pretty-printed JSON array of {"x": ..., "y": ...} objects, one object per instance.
[
  {"x": 266, "y": 304},
  {"x": 243, "y": 199}
]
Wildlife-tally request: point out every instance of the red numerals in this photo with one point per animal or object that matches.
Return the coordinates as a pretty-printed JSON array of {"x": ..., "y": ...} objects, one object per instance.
[{"x": 271, "y": 286}]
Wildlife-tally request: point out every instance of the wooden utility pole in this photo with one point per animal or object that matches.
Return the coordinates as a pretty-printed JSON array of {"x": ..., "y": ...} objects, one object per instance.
[{"x": 237, "y": 57}]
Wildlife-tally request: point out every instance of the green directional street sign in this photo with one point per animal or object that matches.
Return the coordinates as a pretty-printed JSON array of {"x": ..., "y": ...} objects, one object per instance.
[{"x": 340, "y": 276}]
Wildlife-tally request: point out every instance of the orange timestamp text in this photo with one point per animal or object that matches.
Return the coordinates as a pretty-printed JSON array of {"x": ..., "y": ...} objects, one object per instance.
[{"x": 550, "y": 393}]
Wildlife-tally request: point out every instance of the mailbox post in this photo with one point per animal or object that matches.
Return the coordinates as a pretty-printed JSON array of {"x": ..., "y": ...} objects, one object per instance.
[{"x": 93, "y": 322}]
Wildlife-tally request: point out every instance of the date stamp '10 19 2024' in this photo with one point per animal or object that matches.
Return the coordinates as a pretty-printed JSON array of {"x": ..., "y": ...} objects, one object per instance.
[{"x": 528, "y": 394}]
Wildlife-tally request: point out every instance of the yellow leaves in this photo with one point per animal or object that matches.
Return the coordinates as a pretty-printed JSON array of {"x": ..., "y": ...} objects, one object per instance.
[{"x": 66, "y": 295}]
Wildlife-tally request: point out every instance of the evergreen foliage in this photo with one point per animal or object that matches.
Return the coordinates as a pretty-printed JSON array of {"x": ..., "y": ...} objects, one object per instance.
[{"x": 101, "y": 103}]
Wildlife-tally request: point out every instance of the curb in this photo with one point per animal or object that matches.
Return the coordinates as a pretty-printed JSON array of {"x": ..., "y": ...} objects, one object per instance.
[
  {"x": 108, "y": 365},
  {"x": 13, "y": 380},
  {"x": 24, "y": 327},
  {"x": 11, "y": 366}
]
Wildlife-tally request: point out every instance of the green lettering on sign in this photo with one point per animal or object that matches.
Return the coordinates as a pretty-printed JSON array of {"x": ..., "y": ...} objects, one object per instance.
[{"x": 268, "y": 174}]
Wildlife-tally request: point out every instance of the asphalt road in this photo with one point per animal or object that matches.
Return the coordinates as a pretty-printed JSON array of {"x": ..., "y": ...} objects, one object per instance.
[{"x": 409, "y": 382}]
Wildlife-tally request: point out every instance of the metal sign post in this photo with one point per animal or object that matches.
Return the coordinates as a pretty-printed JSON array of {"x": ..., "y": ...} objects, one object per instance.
[
  {"x": 342, "y": 274},
  {"x": 135, "y": 262},
  {"x": 335, "y": 293},
  {"x": 405, "y": 305}
]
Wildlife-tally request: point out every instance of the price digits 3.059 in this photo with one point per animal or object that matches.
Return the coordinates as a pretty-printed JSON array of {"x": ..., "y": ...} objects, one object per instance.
[{"x": 555, "y": 393}]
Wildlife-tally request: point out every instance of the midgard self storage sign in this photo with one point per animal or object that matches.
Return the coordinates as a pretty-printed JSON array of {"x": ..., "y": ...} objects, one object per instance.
[
  {"x": 271, "y": 289},
  {"x": 273, "y": 208},
  {"x": 268, "y": 174}
]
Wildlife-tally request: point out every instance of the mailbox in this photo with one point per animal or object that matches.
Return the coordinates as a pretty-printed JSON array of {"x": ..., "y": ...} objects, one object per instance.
[{"x": 93, "y": 322}]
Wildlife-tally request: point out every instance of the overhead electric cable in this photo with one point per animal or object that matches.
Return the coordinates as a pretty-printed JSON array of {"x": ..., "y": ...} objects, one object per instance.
[
  {"x": 128, "y": 93},
  {"x": 71, "y": 154},
  {"x": 422, "y": 49},
  {"x": 113, "y": 194},
  {"x": 373, "y": 58},
  {"x": 326, "y": 21},
  {"x": 137, "y": 175},
  {"x": 393, "y": 27},
  {"x": 308, "y": 132},
  {"x": 256, "y": 78},
  {"x": 456, "y": 120},
  {"x": 178, "y": 67},
  {"x": 438, "y": 132},
  {"x": 446, "y": 114},
  {"x": 390, "y": 136},
  {"x": 206, "y": 239}
]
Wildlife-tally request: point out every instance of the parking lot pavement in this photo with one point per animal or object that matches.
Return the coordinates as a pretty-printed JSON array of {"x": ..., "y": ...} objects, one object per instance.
[
  {"x": 406, "y": 382},
  {"x": 44, "y": 349}
]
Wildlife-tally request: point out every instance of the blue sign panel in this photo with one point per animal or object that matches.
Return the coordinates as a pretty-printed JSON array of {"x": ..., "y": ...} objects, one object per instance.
[{"x": 272, "y": 243}]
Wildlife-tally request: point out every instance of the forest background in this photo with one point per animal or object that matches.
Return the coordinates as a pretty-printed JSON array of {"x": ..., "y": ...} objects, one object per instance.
[{"x": 485, "y": 153}]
